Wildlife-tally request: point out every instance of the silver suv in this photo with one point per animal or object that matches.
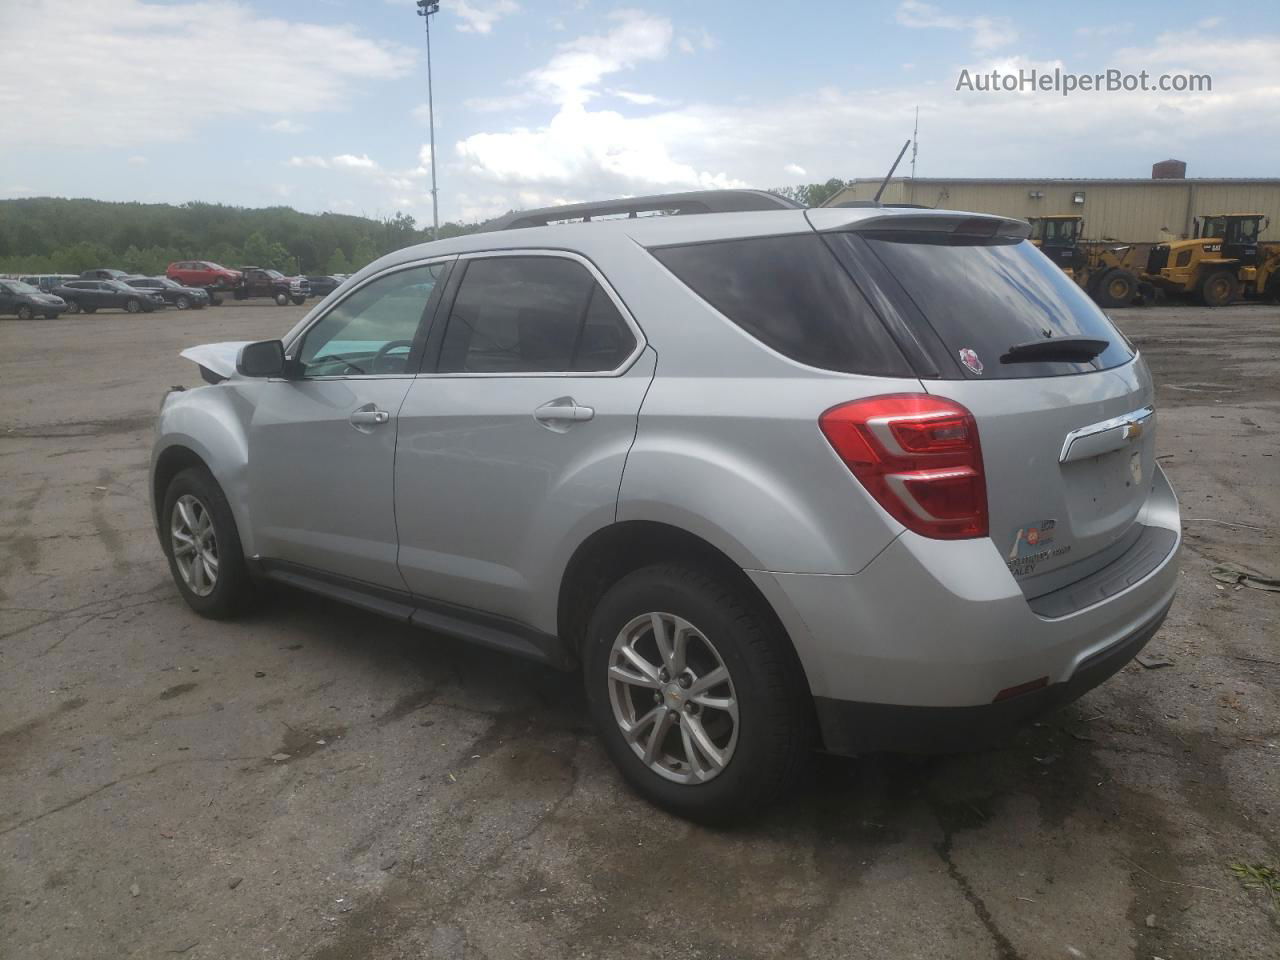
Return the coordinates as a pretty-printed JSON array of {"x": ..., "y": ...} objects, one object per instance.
[{"x": 774, "y": 479}]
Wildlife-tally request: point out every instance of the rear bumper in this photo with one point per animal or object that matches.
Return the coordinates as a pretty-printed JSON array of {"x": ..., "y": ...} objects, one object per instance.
[
  {"x": 936, "y": 629},
  {"x": 850, "y": 728}
]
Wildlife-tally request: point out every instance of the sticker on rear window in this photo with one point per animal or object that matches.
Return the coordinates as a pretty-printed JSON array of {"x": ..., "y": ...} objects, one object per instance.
[{"x": 971, "y": 360}]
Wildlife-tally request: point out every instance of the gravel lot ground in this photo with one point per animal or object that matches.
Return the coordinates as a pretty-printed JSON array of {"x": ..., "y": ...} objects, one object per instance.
[{"x": 439, "y": 801}]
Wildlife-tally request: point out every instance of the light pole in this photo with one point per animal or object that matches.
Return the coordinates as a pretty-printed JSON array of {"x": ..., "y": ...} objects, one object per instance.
[{"x": 425, "y": 9}]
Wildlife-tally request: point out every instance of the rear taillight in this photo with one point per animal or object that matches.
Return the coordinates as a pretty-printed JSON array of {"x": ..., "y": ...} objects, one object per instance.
[{"x": 919, "y": 457}]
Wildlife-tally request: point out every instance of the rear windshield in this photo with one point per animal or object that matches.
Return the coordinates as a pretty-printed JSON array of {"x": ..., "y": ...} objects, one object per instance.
[
  {"x": 988, "y": 296},
  {"x": 792, "y": 294}
]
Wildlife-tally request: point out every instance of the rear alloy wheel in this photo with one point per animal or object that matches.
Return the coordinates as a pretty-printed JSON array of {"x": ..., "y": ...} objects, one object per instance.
[
  {"x": 203, "y": 546},
  {"x": 24, "y": 311},
  {"x": 1117, "y": 288},
  {"x": 281, "y": 299},
  {"x": 73, "y": 306},
  {"x": 183, "y": 303},
  {"x": 133, "y": 305},
  {"x": 696, "y": 693},
  {"x": 673, "y": 698},
  {"x": 1219, "y": 289}
]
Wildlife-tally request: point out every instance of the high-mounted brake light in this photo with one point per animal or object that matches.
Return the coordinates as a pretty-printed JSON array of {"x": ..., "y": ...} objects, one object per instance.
[{"x": 919, "y": 456}]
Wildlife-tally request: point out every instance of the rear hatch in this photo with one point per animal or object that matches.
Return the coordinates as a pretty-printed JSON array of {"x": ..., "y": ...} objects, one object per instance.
[{"x": 1062, "y": 403}]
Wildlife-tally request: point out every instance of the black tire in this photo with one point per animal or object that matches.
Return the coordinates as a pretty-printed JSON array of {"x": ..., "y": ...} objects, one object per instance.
[
  {"x": 73, "y": 307},
  {"x": 774, "y": 736},
  {"x": 1220, "y": 288},
  {"x": 298, "y": 301},
  {"x": 90, "y": 309},
  {"x": 233, "y": 589},
  {"x": 24, "y": 311},
  {"x": 1117, "y": 288},
  {"x": 282, "y": 299},
  {"x": 182, "y": 302},
  {"x": 133, "y": 305},
  {"x": 215, "y": 301}
]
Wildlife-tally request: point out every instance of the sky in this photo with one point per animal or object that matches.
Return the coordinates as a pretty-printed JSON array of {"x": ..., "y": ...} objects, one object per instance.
[{"x": 322, "y": 105}]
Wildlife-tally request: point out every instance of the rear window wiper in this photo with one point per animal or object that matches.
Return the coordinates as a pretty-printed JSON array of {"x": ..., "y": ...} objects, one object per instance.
[{"x": 1063, "y": 349}]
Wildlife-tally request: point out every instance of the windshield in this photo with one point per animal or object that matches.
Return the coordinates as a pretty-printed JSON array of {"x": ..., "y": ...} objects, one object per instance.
[
  {"x": 1060, "y": 231},
  {"x": 1214, "y": 227},
  {"x": 119, "y": 285},
  {"x": 1246, "y": 230},
  {"x": 17, "y": 286},
  {"x": 210, "y": 265},
  {"x": 274, "y": 274}
]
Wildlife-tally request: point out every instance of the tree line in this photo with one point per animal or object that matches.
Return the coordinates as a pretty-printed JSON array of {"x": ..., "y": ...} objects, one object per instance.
[{"x": 53, "y": 235}]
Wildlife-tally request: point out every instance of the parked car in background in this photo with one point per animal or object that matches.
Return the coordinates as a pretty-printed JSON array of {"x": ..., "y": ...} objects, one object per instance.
[
  {"x": 262, "y": 282},
  {"x": 172, "y": 292},
  {"x": 48, "y": 282},
  {"x": 103, "y": 273},
  {"x": 88, "y": 296},
  {"x": 26, "y": 301},
  {"x": 213, "y": 278},
  {"x": 322, "y": 286}
]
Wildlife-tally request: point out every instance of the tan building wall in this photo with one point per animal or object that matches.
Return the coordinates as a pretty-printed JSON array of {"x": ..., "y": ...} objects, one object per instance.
[{"x": 1134, "y": 210}]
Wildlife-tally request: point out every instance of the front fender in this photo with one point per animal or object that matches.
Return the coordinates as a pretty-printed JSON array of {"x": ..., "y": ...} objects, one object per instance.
[{"x": 212, "y": 423}]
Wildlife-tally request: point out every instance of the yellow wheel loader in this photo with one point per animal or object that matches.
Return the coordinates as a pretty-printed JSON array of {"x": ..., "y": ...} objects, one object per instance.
[
  {"x": 1108, "y": 271},
  {"x": 1222, "y": 263}
]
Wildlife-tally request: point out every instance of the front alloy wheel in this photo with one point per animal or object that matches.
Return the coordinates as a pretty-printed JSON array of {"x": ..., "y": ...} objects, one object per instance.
[
  {"x": 195, "y": 545},
  {"x": 673, "y": 698}
]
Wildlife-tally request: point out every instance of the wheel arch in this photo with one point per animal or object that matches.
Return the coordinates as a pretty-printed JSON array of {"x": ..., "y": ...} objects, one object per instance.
[
  {"x": 197, "y": 429},
  {"x": 612, "y": 552}
]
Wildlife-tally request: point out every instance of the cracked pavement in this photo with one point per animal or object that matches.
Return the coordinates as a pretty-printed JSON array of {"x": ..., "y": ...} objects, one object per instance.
[{"x": 319, "y": 783}]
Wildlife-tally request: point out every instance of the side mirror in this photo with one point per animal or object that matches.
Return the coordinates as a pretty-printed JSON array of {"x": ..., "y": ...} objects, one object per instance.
[{"x": 262, "y": 359}]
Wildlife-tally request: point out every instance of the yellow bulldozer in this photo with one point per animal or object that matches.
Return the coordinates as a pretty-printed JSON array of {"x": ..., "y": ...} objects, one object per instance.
[
  {"x": 1109, "y": 271},
  {"x": 1222, "y": 263}
]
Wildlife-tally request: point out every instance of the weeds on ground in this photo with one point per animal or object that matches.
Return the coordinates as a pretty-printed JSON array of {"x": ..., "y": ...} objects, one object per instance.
[{"x": 1255, "y": 876}]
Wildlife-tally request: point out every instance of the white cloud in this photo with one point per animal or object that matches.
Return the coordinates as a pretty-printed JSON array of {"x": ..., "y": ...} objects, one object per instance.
[
  {"x": 352, "y": 162},
  {"x": 572, "y": 75},
  {"x": 285, "y": 125},
  {"x": 794, "y": 169},
  {"x": 137, "y": 160},
  {"x": 639, "y": 99},
  {"x": 252, "y": 75},
  {"x": 595, "y": 151},
  {"x": 985, "y": 33},
  {"x": 309, "y": 161},
  {"x": 480, "y": 17}
]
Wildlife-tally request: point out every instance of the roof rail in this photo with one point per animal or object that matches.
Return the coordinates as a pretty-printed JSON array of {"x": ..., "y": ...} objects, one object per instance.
[{"x": 697, "y": 201}]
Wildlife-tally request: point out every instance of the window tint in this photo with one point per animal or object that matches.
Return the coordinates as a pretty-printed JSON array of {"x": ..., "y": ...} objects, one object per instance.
[
  {"x": 532, "y": 315},
  {"x": 989, "y": 296},
  {"x": 372, "y": 330},
  {"x": 791, "y": 294}
]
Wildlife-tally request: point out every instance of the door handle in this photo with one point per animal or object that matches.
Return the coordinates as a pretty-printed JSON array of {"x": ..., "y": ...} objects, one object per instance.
[
  {"x": 563, "y": 410},
  {"x": 369, "y": 417}
]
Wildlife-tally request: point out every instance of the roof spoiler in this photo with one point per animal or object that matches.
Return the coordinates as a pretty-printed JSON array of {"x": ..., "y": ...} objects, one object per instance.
[
  {"x": 959, "y": 224},
  {"x": 697, "y": 201}
]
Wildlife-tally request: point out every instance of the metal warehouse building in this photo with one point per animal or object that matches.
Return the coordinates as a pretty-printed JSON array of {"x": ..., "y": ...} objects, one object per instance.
[{"x": 1133, "y": 210}]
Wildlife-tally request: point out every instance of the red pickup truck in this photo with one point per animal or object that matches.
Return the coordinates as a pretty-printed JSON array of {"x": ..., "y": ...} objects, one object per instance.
[{"x": 213, "y": 277}]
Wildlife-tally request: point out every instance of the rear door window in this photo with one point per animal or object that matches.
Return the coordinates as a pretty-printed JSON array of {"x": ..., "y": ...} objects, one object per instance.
[
  {"x": 791, "y": 294},
  {"x": 987, "y": 296},
  {"x": 533, "y": 314}
]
